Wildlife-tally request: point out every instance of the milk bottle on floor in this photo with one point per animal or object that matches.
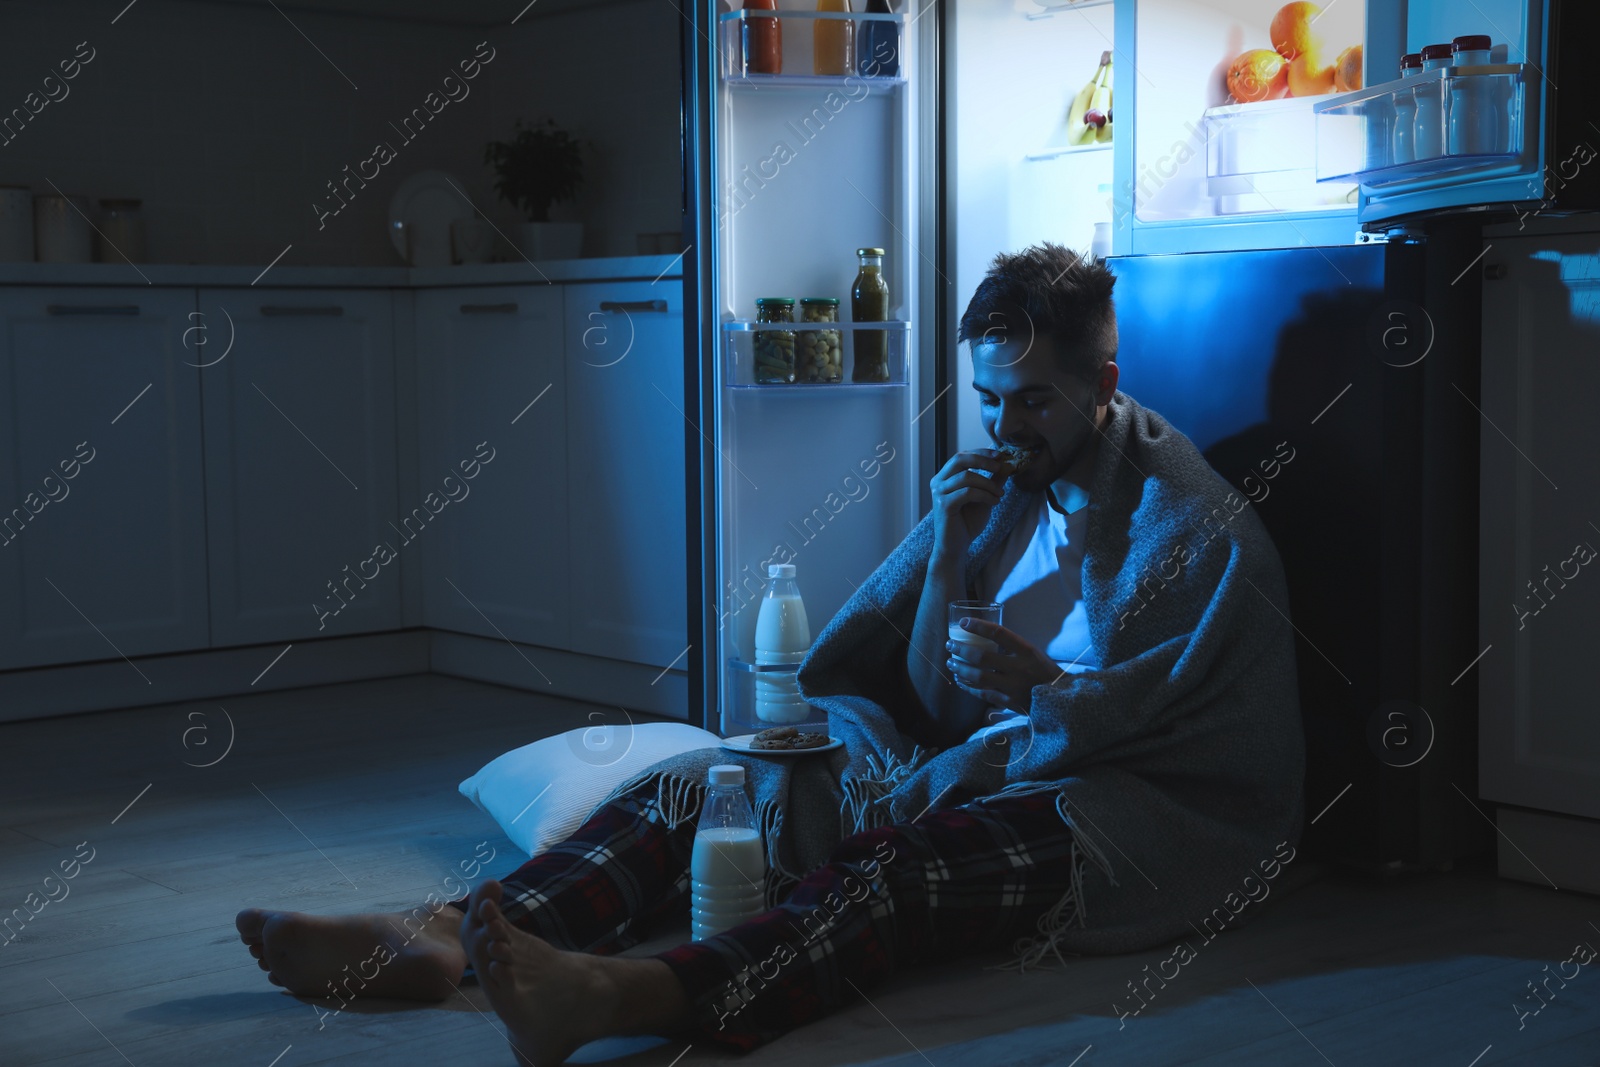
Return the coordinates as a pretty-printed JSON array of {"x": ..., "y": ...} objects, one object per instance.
[
  {"x": 727, "y": 870},
  {"x": 783, "y": 636}
]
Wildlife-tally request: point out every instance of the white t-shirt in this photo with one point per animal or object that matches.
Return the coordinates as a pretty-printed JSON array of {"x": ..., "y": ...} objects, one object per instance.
[{"x": 1037, "y": 577}]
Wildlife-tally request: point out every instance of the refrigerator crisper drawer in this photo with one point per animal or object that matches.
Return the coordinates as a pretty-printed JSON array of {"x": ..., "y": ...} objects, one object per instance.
[
  {"x": 1262, "y": 157},
  {"x": 1439, "y": 128}
]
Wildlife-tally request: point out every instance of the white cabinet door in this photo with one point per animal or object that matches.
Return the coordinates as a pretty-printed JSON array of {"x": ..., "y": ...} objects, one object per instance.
[
  {"x": 1539, "y": 510},
  {"x": 300, "y": 463},
  {"x": 102, "y": 523},
  {"x": 626, "y": 468},
  {"x": 493, "y": 457}
]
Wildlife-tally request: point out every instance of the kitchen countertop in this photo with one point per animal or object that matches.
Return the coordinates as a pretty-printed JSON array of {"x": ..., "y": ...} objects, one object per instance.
[{"x": 280, "y": 277}]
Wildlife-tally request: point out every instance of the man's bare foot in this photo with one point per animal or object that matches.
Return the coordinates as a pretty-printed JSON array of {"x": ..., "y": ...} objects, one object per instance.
[
  {"x": 407, "y": 955},
  {"x": 553, "y": 1001}
]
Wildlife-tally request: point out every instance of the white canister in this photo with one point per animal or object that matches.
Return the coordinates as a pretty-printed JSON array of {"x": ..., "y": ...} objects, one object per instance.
[
  {"x": 121, "y": 232},
  {"x": 16, "y": 224},
  {"x": 61, "y": 229}
]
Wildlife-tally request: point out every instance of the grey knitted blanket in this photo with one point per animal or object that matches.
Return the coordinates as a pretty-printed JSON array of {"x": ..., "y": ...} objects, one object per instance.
[{"x": 1178, "y": 763}]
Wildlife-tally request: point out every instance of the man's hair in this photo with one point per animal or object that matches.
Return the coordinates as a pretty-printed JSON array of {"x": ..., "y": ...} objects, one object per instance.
[{"x": 1051, "y": 291}]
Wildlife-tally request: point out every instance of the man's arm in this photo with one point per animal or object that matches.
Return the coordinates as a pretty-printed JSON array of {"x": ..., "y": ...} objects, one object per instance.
[
  {"x": 965, "y": 491},
  {"x": 946, "y": 714}
]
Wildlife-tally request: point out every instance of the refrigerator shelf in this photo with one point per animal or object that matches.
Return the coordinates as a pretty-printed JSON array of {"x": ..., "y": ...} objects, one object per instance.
[
  {"x": 739, "y": 349},
  {"x": 1069, "y": 150},
  {"x": 1052, "y": 8},
  {"x": 736, "y": 664},
  {"x": 1355, "y": 131},
  {"x": 881, "y": 34}
]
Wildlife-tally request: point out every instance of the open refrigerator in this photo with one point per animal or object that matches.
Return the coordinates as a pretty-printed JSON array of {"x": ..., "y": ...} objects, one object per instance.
[{"x": 794, "y": 172}]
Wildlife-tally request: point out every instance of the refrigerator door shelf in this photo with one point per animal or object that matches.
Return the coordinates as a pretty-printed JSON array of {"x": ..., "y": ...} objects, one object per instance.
[
  {"x": 740, "y": 716},
  {"x": 874, "y": 56},
  {"x": 1482, "y": 129},
  {"x": 739, "y": 350},
  {"x": 1262, "y": 157}
]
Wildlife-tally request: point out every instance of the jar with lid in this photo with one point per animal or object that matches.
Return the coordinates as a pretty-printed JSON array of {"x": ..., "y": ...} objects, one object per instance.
[
  {"x": 1405, "y": 112},
  {"x": 869, "y": 302},
  {"x": 121, "y": 231},
  {"x": 774, "y": 349},
  {"x": 762, "y": 39},
  {"x": 833, "y": 45},
  {"x": 821, "y": 357},
  {"x": 1428, "y": 128},
  {"x": 1475, "y": 120}
]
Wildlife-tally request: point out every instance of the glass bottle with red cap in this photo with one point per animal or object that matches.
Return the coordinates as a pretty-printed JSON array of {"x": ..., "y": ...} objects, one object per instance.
[
  {"x": 1405, "y": 112},
  {"x": 1475, "y": 123}
]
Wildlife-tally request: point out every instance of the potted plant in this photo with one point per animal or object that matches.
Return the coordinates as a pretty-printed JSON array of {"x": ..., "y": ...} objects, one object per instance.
[{"x": 539, "y": 166}]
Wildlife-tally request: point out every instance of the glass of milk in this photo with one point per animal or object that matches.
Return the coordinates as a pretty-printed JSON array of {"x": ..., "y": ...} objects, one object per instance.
[{"x": 965, "y": 639}]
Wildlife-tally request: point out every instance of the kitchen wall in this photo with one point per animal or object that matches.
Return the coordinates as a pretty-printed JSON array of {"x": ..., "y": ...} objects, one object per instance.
[{"x": 228, "y": 123}]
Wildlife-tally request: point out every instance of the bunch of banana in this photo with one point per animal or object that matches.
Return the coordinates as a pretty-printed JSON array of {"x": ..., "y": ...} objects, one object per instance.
[{"x": 1089, "y": 118}]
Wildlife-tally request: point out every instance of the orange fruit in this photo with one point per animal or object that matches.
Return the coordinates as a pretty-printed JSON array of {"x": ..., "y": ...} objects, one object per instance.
[
  {"x": 1347, "y": 70},
  {"x": 1308, "y": 77},
  {"x": 1291, "y": 30},
  {"x": 1259, "y": 74}
]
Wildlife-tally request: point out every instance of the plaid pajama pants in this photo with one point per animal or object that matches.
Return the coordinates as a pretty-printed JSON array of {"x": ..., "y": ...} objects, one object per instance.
[{"x": 953, "y": 881}]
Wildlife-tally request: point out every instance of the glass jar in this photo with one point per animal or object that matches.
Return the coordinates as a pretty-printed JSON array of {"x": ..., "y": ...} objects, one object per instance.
[
  {"x": 774, "y": 349},
  {"x": 833, "y": 41},
  {"x": 763, "y": 40},
  {"x": 821, "y": 355},
  {"x": 869, "y": 302}
]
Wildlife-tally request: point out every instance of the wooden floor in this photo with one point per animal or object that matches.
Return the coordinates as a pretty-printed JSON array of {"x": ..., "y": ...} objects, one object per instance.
[{"x": 343, "y": 798}]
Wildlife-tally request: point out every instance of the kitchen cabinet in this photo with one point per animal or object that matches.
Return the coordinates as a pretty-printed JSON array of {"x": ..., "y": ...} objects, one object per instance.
[
  {"x": 625, "y": 470},
  {"x": 1539, "y": 578},
  {"x": 300, "y": 463},
  {"x": 102, "y": 536},
  {"x": 492, "y": 429}
]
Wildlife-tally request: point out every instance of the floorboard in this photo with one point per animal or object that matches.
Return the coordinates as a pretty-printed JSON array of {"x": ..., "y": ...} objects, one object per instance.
[{"x": 343, "y": 798}]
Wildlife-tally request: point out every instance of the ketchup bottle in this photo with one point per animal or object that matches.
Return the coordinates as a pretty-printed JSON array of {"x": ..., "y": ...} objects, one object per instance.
[{"x": 763, "y": 40}]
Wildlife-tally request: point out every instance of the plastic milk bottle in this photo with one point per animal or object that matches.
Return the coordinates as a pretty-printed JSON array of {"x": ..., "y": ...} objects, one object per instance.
[{"x": 728, "y": 868}]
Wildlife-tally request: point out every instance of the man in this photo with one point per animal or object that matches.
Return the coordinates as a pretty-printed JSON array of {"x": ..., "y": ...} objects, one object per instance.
[{"x": 1102, "y": 779}]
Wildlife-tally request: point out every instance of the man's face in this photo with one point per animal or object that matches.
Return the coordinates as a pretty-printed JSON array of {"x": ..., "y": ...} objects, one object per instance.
[{"x": 1025, "y": 399}]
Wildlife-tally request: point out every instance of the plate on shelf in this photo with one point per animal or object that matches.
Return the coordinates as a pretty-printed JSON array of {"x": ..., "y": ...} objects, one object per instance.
[
  {"x": 420, "y": 214},
  {"x": 741, "y": 743}
]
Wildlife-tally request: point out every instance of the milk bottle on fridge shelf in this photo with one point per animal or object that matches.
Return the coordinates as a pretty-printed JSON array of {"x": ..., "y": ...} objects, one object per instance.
[
  {"x": 728, "y": 867},
  {"x": 783, "y": 636}
]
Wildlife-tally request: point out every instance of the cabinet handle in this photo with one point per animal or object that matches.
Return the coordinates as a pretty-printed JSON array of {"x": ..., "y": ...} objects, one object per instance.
[
  {"x": 509, "y": 308},
  {"x": 1495, "y": 271},
  {"x": 91, "y": 309},
  {"x": 633, "y": 305},
  {"x": 301, "y": 309}
]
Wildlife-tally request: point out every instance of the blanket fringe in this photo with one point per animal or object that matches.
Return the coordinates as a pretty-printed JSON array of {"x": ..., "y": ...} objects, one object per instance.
[
  {"x": 1069, "y": 911},
  {"x": 860, "y": 809}
]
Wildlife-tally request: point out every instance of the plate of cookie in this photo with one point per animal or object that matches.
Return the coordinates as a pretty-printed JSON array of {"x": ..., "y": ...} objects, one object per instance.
[{"x": 782, "y": 741}]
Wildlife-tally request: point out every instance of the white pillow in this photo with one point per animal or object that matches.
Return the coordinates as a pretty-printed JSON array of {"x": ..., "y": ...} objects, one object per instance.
[{"x": 541, "y": 793}]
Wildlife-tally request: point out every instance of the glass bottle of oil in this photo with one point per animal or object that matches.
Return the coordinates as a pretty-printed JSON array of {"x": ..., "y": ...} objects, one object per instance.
[
  {"x": 833, "y": 41},
  {"x": 869, "y": 302}
]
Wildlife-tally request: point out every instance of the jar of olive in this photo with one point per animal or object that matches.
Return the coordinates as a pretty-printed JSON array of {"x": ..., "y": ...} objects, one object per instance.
[
  {"x": 774, "y": 349},
  {"x": 821, "y": 356}
]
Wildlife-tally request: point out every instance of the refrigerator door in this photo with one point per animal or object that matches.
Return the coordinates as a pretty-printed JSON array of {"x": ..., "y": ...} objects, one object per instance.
[
  {"x": 1223, "y": 152},
  {"x": 1313, "y": 382},
  {"x": 811, "y": 125}
]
